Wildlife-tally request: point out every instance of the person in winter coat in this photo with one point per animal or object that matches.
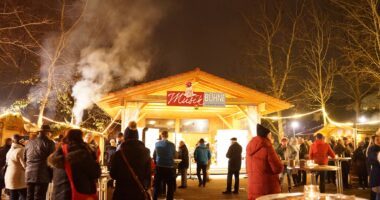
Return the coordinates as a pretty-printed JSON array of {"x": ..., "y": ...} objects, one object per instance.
[
  {"x": 3, "y": 154},
  {"x": 202, "y": 156},
  {"x": 15, "y": 173},
  {"x": 37, "y": 173},
  {"x": 234, "y": 165},
  {"x": 75, "y": 168},
  {"x": 359, "y": 161},
  {"x": 373, "y": 161},
  {"x": 263, "y": 165},
  {"x": 286, "y": 152},
  {"x": 341, "y": 150},
  {"x": 183, "y": 154},
  {"x": 138, "y": 157},
  {"x": 303, "y": 155},
  {"x": 319, "y": 152}
]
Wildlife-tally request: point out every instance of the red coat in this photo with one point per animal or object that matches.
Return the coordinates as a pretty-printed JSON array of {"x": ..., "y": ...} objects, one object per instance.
[
  {"x": 263, "y": 168},
  {"x": 319, "y": 151}
]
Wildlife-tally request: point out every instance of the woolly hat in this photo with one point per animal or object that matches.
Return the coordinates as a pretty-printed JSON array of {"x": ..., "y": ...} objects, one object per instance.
[
  {"x": 131, "y": 134},
  {"x": 262, "y": 131}
]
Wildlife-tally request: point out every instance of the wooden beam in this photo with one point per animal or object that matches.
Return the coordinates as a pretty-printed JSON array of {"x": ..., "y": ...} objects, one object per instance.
[
  {"x": 140, "y": 117},
  {"x": 225, "y": 121}
]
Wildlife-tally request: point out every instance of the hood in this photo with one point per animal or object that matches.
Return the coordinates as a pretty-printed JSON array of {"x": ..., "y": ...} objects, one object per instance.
[
  {"x": 77, "y": 153},
  {"x": 16, "y": 146},
  {"x": 257, "y": 143},
  {"x": 203, "y": 146}
]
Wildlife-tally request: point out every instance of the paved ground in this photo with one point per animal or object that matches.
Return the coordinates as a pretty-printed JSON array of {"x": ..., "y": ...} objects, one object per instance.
[{"x": 217, "y": 185}]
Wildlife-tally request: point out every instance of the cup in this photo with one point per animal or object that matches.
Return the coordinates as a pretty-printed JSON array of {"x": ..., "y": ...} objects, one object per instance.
[{"x": 311, "y": 192}]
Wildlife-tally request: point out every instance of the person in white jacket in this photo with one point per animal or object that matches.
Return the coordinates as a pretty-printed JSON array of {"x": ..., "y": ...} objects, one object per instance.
[{"x": 15, "y": 172}]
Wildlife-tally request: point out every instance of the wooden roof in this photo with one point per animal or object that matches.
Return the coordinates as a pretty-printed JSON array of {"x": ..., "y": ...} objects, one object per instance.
[{"x": 154, "y": 95}]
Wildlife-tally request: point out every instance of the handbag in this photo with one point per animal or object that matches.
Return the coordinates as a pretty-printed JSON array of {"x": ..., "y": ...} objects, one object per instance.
[
  {"x": 75, "y": 195},
  {"x": 147, "y": 195}
]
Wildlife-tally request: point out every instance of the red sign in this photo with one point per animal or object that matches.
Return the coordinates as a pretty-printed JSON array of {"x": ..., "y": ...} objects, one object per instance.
[{"x": 178, "y": 98}]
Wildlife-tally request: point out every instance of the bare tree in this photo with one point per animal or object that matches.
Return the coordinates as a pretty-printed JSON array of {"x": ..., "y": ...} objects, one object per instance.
[
  {"x": 273, "y": 49},
  {"x": 321, "y": 69},
  {"x": 357, "y": 83},
  {"x": 52, "y": 53},
  {"x": 362, "y": 28}
]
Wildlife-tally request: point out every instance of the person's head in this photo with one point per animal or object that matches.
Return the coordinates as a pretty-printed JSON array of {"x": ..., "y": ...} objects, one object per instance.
[
  {"x": 361, "y": 144},
  {"x": 120, "y": 137},
  {"x": 233, "y": 140},
  {"x": 73, "y": 136},
  {"x": 181, "y": 143},
  {"x": 132, "y": 125},
  {"x": 293, "y": 141},
  {"x": 284, "y": 141},
  {"x": 88, "y": 138},
  {"x": 131, "y": 133},
  {"x": 301, "y": 140},
  {"x": 201, "y": 141},
  {"x": 340, "y": 142},
  {"x": 262, "y": 131},
  {"x": 113, "y": 143},
  {"x": 8, "y": 141},
  {"x": 345, "y": 140},
  {"x": 367, "y": 140},
  {"x": 332, "y": 140},
  {"x": 319, "y": 136},
  {"x": 45, "y": 130},
  {"x": 377, "y": 138},
  {"x": 164, "y": 135},
  {"x": 145, "y": 129},
  {"x": 17, "y": 139}
]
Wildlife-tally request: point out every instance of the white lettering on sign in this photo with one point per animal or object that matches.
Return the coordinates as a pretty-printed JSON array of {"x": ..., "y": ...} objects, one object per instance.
[{"x": 214, "y": 99}]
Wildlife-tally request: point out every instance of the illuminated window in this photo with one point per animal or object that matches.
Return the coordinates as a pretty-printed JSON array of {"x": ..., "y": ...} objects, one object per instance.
[
  {"x": 161, "y": 124},
  {"x": 194, "y": 126}
]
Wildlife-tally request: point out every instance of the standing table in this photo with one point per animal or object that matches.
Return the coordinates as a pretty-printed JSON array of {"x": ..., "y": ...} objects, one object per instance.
[
  {"x": 319, "y": 168},
  {"x": 338, "y": 163}
]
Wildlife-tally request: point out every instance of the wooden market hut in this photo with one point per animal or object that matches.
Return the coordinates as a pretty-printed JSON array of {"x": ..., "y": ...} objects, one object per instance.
[{"x": 236, "y": 108}]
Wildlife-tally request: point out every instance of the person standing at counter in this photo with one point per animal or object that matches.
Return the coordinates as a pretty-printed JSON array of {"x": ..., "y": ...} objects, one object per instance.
[
  {"x": 263, "y": 165},
  {"x": 319, "y": 152}
]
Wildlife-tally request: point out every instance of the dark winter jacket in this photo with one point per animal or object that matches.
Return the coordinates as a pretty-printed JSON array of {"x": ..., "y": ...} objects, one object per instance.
[
  {"x": 85, "y": 171},
  {"x": 202, "y": 155},
  {"x": 341, "y": 150},
  {"x": 374, "y": 178},
  {"x": 304, "y": 151},
  {"x": 110, "y": 151},
  {"x": 36, "y": 154},
  {"x": 184, "y": 155},
  {"x": 359, "y": 160},
  {"x": 139, "y": 158},
  {"x": 234, "y": 156}
]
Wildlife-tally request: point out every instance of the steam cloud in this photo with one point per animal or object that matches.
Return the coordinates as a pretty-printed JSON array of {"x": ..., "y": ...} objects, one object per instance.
[{"x": 124, "y": 57}]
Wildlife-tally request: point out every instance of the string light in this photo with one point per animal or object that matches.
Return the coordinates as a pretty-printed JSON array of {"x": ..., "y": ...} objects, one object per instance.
[{"x": 295, "y": 116}]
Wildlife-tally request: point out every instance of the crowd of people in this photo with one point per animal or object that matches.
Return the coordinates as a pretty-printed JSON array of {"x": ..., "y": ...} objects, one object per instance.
[{"x": 72, "y": 164}]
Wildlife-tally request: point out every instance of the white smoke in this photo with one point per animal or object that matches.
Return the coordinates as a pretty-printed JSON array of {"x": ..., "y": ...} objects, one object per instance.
[{"x": 125, "y": 58}]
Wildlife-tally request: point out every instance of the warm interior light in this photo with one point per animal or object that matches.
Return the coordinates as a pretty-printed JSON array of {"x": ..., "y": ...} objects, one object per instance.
[
  {"x": 152, "y": 122},
  {"x": 170, "y": 123}
]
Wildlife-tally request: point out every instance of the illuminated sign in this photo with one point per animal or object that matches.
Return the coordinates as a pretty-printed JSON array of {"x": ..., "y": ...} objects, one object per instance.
[{"x": 196, "y": 99}]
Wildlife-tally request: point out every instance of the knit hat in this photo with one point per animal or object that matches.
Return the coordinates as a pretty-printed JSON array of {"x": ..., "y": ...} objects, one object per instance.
[
  {"x": 262, "y": 131},
  {"x": 131, "y": 134}
]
